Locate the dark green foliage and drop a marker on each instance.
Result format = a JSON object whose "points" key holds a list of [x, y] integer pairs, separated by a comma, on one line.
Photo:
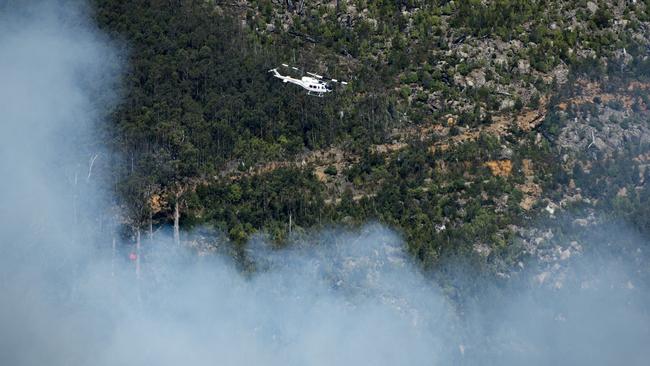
{"points": [[602, 17], [201, 114], [197, 95], [331, 170], [262, 202]]}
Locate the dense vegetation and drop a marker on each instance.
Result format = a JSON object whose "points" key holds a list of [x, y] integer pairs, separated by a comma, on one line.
{"points": [[201, 115]]}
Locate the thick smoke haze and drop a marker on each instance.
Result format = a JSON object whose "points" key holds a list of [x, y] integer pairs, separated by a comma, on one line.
{"points": [[336, 298]]}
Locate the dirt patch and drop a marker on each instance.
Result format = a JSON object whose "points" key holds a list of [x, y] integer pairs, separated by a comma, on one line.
{"points": [[527, 167], [593, 90], [500, 168], [529, 120], [532, 192], [319, 172], [388, 148]]}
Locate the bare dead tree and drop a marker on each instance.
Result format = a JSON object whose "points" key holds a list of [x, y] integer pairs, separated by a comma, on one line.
{"points": [[178, 193], [593, 139], [113, 256], [137, 192], [137, 252], [90, 166]]}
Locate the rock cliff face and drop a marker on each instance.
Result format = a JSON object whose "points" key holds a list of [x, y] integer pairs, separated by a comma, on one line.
{"points": [[536, 81]]}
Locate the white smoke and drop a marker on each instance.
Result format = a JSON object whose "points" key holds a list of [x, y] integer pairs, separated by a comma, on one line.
{"points": [[338, 298]]}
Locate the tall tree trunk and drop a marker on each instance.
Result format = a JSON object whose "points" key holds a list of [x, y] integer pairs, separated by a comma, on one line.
{"points": [[137, 254], [177, 217], [113, 254], [151, 225]]}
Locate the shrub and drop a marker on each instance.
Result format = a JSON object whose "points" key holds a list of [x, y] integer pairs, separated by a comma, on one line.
{"points": [[330, 170], [615, 104]]}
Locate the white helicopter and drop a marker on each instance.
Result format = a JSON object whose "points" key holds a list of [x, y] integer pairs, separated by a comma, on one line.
{"points": [[315, 84]]}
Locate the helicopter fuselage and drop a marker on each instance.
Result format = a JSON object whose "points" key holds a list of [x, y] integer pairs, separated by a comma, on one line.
{"points": [[312, 85]]}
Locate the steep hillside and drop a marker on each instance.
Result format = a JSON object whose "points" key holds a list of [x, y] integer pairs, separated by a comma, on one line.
{"points": [[471, 126]]}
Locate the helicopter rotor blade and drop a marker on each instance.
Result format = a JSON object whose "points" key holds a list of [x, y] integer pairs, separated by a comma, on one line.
{"points": [[336, 81], [327, 80], [293, 68]]}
